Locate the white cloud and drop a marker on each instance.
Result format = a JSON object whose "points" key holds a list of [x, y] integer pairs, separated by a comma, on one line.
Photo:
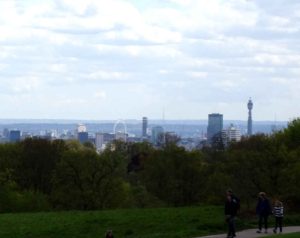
{"points": [[100, 75], [185, 54], [100, 95]]}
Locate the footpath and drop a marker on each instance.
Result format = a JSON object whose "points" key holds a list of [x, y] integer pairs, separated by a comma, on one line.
{"points": [[251, 233]]}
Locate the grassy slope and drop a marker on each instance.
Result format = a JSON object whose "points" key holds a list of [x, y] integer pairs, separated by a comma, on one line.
{"points": [[293, 235], [144, 223], [183, 222]]}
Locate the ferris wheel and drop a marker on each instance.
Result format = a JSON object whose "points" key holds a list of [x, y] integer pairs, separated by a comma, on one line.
{"points": [[120, 130]]}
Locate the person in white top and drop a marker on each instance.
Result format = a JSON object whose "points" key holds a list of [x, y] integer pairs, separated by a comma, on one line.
{"points": [[278, 213]]}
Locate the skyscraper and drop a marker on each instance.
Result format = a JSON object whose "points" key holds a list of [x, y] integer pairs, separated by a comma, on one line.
{"points": [[250, 106], [99, 141], [157, 137], [145, 126], [83, 137], [215, 127], [14, 136]]}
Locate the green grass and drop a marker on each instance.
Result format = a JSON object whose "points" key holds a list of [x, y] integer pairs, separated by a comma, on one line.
{"points": [[292, 235], [144, 223], [184, 222]]}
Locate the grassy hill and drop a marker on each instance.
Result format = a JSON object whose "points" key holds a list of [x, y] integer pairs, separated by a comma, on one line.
{"points": [[184, 222], [293, 235], [144, 223]]}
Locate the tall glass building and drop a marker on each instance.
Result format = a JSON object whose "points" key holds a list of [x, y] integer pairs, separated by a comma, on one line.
{"points": [[14, 135], [215, 126], [157, 137], [83, 137]]}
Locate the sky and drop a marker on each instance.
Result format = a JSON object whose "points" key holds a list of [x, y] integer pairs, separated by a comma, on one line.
{"points": [[125, 59]]}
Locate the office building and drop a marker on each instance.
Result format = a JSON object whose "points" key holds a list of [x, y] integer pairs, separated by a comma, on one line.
{"points": [[215, 127], [144, 127], [231, 134], [5, 133], [83, 137], [157, 136], [14, 136], [99, 141]]}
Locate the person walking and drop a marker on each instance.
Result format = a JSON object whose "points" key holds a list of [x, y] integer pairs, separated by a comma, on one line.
{"points": [[263, 210], [232, 205], [278, 213]]}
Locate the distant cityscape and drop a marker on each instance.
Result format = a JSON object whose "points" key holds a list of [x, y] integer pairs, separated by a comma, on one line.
{"points": [[190, 134]]}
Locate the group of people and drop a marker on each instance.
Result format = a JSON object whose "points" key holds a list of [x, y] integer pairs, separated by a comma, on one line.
{"points": [[263, 211]]}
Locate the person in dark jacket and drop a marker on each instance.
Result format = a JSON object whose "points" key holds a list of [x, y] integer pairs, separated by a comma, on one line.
{"points": [[263, 210], [109, 234], [232, 206]]}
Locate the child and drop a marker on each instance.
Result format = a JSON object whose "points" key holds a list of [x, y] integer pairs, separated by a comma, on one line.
{"points": [[278, 213]]}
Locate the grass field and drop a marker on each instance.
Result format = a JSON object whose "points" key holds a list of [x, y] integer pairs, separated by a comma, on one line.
{"points": [[144, 223], [185, 222], [293, 235]]}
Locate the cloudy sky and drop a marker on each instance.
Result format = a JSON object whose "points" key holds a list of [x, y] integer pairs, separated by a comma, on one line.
{"points": [[112, 59]]}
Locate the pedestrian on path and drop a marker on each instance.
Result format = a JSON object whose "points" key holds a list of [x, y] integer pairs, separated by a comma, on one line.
{"points": [[278, 213], [232, 205], [263, 210]]}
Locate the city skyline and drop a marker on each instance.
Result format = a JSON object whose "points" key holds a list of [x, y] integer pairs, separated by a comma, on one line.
{"points": [[172, 59]]}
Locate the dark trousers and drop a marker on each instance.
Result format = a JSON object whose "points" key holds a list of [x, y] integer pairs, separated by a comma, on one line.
{"points": [[231, 226], [263, 219], [278, 223]]}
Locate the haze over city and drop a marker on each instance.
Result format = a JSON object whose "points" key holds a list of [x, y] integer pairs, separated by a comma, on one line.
{"points": [[113, 59]]}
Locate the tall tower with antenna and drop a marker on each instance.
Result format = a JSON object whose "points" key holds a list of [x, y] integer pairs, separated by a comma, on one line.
{"points": [[250, 106]]}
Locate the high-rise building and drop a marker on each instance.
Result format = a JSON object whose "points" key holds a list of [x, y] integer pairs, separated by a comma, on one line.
{"points": [[14, 135], [231, 134], [5, 133], [250, 106], [99, 141], [83, 137], [215, 127], [81, 133], [157, 136], [144, 127]]}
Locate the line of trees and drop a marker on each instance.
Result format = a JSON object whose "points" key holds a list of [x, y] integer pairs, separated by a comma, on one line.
{"points": [[37, 174]]}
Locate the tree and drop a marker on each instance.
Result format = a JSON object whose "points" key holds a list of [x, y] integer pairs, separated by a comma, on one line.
{"points": [[36, 164], [290, 136], [174, 176], [85, 180]]}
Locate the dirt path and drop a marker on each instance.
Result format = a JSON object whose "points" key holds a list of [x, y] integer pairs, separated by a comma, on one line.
{"points": [[251, 233]]}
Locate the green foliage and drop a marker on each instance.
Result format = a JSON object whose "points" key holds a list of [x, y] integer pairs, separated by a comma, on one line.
{"points": [[12, 200], [291, 135], [68, 175], [85, 180], [174, 176], [37, 161]]}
